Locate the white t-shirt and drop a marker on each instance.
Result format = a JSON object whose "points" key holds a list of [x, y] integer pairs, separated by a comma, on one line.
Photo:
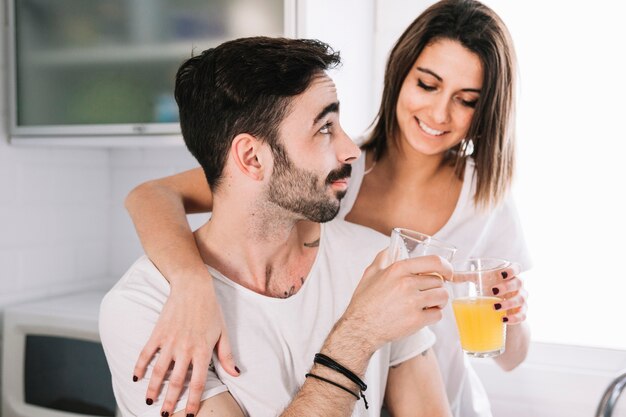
{"points": [[493, 233], [274, 340]]}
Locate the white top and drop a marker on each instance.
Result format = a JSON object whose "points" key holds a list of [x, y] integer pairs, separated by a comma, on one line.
{"points": [[493, 233], [273, 339]]}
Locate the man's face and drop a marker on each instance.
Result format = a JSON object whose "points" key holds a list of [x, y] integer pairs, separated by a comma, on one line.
{"points": [[313, 155]]}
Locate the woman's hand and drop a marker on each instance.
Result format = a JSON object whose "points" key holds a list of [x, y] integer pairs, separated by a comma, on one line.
{"points": [[508, 286], [190, 326]]}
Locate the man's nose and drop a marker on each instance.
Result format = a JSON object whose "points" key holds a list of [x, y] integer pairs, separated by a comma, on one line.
{"points": [[347, 151]]}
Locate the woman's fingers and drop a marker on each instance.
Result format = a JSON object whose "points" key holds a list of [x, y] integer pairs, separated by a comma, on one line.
{"points": [[146, 355], [176, 383], [159, 370], [196, 385], [515, 307], [225, 354], [507, 287]]}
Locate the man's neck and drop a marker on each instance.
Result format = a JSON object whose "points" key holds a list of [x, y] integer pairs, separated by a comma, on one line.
{"points": [[260, 248]]}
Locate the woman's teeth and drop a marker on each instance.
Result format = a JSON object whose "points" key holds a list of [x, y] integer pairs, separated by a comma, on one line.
{"points": [[429, 130]]}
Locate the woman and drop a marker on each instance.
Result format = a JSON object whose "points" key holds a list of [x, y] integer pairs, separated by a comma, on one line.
{"points": [[439, 160]]}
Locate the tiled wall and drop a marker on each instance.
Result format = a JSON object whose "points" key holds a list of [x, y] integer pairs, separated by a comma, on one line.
{"points": [[128, 169], [54, 220]]}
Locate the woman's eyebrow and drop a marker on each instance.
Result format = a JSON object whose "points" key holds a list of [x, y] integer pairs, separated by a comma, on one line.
{"points": [[438, 77]]}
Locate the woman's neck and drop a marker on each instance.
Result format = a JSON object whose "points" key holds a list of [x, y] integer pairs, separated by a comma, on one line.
{"points": [[407, 166]]}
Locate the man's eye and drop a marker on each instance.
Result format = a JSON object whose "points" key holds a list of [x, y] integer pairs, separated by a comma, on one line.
{"points": [[326, 129], [424, 86]]}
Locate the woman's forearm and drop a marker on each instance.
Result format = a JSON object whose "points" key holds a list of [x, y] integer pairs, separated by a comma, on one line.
{"points": [[158, 211], [517, 344]]}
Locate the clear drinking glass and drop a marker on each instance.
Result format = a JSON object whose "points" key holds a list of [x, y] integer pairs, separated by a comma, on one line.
{"points": [[481, 329], [406, 243]]}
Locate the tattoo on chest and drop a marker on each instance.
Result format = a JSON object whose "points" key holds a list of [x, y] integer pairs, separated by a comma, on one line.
{"points": [[313, 244], [292, 290]]}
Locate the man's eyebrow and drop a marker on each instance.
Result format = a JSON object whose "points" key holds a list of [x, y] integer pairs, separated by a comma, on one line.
{"points": [[331, 108], [438, 77]]}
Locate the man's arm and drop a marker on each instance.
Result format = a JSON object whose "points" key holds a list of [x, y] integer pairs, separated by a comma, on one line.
{"points": [[388, 304], [415, 388]]}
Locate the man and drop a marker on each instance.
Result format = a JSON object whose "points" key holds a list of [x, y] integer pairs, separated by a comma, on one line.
{"points": [[262, 118]]}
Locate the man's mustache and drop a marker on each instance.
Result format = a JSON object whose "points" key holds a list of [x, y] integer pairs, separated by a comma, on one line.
{"points": [[339, 174]]}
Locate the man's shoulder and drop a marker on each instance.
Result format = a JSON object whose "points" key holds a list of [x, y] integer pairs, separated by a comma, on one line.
{"points": [[143, 277]]}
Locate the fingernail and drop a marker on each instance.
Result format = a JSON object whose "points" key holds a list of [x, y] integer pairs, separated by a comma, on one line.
{"points": [[149, 401], [189, 415], [495, 291], [505, 319], [237, 369], [135, 379], [504, 274], [497, 306], [165, 414]]}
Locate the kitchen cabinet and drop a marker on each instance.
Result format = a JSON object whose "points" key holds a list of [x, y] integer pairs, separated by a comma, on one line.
{"points": [[101, 72]]}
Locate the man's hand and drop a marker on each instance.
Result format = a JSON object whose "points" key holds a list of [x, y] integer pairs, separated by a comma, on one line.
{"points": [[398, 300]]}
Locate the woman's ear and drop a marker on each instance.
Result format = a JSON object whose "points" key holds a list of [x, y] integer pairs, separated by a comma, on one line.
{"points": [[250, 156]]}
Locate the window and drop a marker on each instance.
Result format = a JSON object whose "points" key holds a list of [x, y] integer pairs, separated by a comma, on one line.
{"points": [[571, 177]]}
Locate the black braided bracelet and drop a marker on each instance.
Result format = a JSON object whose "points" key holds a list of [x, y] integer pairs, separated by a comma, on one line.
{"points": [[334, 383], [328, 362]]}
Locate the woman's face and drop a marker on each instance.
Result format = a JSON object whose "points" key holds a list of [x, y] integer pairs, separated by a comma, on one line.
{"points": [[438, 97]]}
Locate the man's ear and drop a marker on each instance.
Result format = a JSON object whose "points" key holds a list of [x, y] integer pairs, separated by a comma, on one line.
{"points": [[250, 155]]}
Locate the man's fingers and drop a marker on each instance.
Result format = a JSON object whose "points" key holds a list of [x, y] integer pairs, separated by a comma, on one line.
{"points": [[430, 265], [433, 298]]}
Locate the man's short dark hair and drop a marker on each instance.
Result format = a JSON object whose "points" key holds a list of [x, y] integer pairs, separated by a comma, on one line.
{"points": [[243, 86]]}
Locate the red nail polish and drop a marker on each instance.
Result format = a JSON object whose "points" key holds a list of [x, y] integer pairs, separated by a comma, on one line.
{"points": [[237, 369], [189, 415], [495, 291], [149, 401], [505, 319], [135, 379], [505, 274], [497, 306], [165, 414]]}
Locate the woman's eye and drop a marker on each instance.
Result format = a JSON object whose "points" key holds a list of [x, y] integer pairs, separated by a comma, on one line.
{"points": [[470, 103], [424, 86], [326, 129]]}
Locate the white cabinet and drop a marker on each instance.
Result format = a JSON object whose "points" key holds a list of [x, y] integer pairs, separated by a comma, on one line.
{"points": [[102, 71]]}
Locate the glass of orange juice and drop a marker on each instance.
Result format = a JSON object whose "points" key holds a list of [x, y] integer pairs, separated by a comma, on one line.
{"points": [[481, 329]]}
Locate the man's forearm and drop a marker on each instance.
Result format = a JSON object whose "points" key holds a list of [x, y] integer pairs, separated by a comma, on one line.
{"points": [[319, 398]]}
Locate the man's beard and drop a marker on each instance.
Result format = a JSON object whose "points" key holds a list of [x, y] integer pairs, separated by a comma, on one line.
{"points": [[299, 191]]}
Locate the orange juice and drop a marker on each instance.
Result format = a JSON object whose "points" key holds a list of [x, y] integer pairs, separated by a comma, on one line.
{"points": [[480, 325]]}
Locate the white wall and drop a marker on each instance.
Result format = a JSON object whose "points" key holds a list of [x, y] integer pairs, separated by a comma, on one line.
{"points": [[128, 169], [54, 214], [554, 381]]}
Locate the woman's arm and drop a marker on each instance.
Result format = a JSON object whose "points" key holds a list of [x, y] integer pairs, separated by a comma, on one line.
{"points": [[191, 323], [511, 289]]}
